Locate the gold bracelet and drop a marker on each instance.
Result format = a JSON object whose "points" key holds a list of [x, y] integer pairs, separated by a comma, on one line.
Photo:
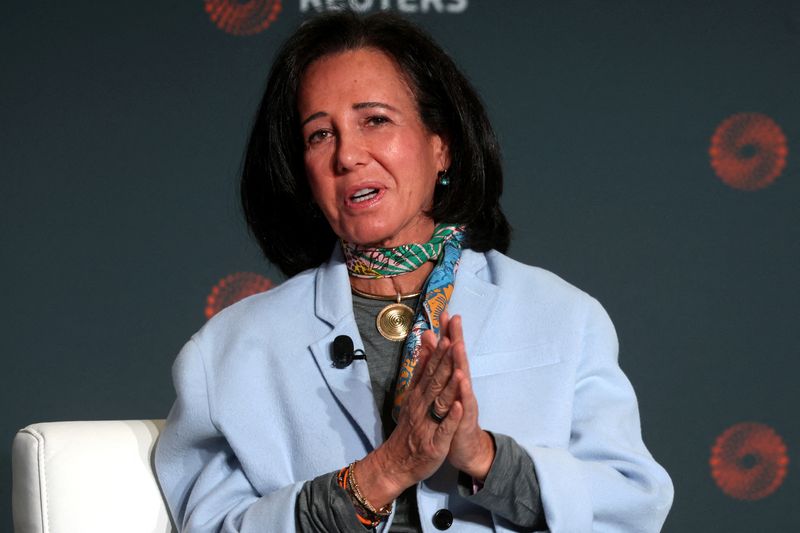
{"points": [[363, 516], [381, 513]]}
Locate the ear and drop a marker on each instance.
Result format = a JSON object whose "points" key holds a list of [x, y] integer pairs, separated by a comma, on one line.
{"points": [[441, 151]]}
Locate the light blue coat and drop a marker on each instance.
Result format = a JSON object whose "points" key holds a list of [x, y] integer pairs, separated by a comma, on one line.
{"points": [[260, 409]]}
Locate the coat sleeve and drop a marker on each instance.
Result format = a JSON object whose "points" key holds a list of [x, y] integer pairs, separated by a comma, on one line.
{"points": [[204, 484], [606, 480]]}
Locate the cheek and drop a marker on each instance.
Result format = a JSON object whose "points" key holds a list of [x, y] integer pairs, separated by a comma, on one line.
{"points": [[323, 191], [389, 151]]}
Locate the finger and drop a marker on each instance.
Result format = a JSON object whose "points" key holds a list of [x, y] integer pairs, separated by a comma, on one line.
{"points": [[447, 397], [454, 330], [468, 401], [445, 431], [429, 379], [437, 350], [460, 360], [429, 340], [419, 367], [437, 379], [444, 320]]}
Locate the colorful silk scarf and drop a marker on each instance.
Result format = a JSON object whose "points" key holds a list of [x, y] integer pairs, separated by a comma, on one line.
{"points": [[363, 262], [445, 245]]}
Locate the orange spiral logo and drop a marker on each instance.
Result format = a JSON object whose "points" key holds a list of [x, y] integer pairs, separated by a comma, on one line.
{"points": [[749, 461], [748, 151], [243, 17], [233, 288]]}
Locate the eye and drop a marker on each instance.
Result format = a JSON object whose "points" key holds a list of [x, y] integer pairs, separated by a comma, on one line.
{"points": [[377, 120], [318, 136]]}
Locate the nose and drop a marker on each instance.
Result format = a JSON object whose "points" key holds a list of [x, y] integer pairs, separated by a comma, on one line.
{"points": [[351, 151]]}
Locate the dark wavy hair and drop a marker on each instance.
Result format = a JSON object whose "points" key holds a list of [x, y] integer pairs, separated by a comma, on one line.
{"points": [[275, 193]]}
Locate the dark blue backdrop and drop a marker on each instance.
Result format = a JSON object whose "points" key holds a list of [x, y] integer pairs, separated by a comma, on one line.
{"points": [[123, 128]]}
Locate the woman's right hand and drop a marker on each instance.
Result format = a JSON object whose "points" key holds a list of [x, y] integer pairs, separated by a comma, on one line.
{"points": [[418, 445]]}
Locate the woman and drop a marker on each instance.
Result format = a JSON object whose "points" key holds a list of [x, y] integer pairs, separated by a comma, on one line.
{"points": [[373, 178]]}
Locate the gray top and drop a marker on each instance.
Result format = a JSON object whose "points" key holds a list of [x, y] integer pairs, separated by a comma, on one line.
{"points": [[511, 489]]}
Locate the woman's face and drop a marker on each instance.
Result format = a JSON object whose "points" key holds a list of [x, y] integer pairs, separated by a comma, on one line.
{"points": [[371, 163]]}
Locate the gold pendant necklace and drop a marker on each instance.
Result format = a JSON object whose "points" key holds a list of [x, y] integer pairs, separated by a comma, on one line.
{"points": [[393, 321]]}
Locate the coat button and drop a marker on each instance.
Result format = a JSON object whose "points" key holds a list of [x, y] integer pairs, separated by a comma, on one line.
{"points": [[442, 519]]}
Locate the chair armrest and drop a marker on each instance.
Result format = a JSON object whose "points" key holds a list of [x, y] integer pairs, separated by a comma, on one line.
{"points": [[87, 477]]}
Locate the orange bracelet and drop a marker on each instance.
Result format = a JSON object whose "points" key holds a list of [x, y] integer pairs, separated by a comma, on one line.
{"points": [[365, 512], [381, 513]]}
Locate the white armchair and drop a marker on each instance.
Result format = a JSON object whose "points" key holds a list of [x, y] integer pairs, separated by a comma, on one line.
{"points": [[87, 477]]}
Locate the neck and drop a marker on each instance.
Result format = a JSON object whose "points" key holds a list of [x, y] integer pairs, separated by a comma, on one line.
{"points": [[404, 284]]}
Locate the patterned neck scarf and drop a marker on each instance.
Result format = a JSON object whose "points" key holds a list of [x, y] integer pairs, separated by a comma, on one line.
{"points": [[364, 262], [445, 245]]}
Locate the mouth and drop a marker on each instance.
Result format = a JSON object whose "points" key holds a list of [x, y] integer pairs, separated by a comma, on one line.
{"points": [[363, 195]]}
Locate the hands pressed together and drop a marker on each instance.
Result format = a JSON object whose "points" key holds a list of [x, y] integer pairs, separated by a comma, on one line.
{"points": [[441, 389]]}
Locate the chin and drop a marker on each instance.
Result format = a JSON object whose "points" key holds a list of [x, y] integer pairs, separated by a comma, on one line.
{"points": [[384, 235], [363, 232], [373, 237], [374, 240]]}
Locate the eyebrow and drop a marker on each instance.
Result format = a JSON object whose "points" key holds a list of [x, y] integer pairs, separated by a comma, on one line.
{"points": [[369, 105], [360, 105]]}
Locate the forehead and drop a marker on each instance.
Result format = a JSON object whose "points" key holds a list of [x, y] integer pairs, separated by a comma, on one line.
{"points": [[364, 74]]}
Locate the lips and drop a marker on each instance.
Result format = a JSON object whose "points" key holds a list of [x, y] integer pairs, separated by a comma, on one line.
{"points": [[364, 195]]}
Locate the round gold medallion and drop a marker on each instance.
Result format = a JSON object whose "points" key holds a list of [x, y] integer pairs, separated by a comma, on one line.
{"points": [[394, 321]]}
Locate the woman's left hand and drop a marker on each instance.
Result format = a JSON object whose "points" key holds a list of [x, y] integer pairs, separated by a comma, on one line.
{"points": [[472, 449]]}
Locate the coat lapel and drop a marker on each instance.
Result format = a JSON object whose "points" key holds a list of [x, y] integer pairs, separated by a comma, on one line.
{"points": [[474, 298], [350, 385]]}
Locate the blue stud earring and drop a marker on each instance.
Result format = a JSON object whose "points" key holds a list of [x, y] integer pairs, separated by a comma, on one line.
{"points": [[444, 179]]}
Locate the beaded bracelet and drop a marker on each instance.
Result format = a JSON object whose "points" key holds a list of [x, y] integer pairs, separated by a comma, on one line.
{"points": [[362, 514], [383, 512], [365, 512]]}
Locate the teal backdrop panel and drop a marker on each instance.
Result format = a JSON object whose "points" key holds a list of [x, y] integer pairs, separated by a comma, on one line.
{"points": [[651, 157]]}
